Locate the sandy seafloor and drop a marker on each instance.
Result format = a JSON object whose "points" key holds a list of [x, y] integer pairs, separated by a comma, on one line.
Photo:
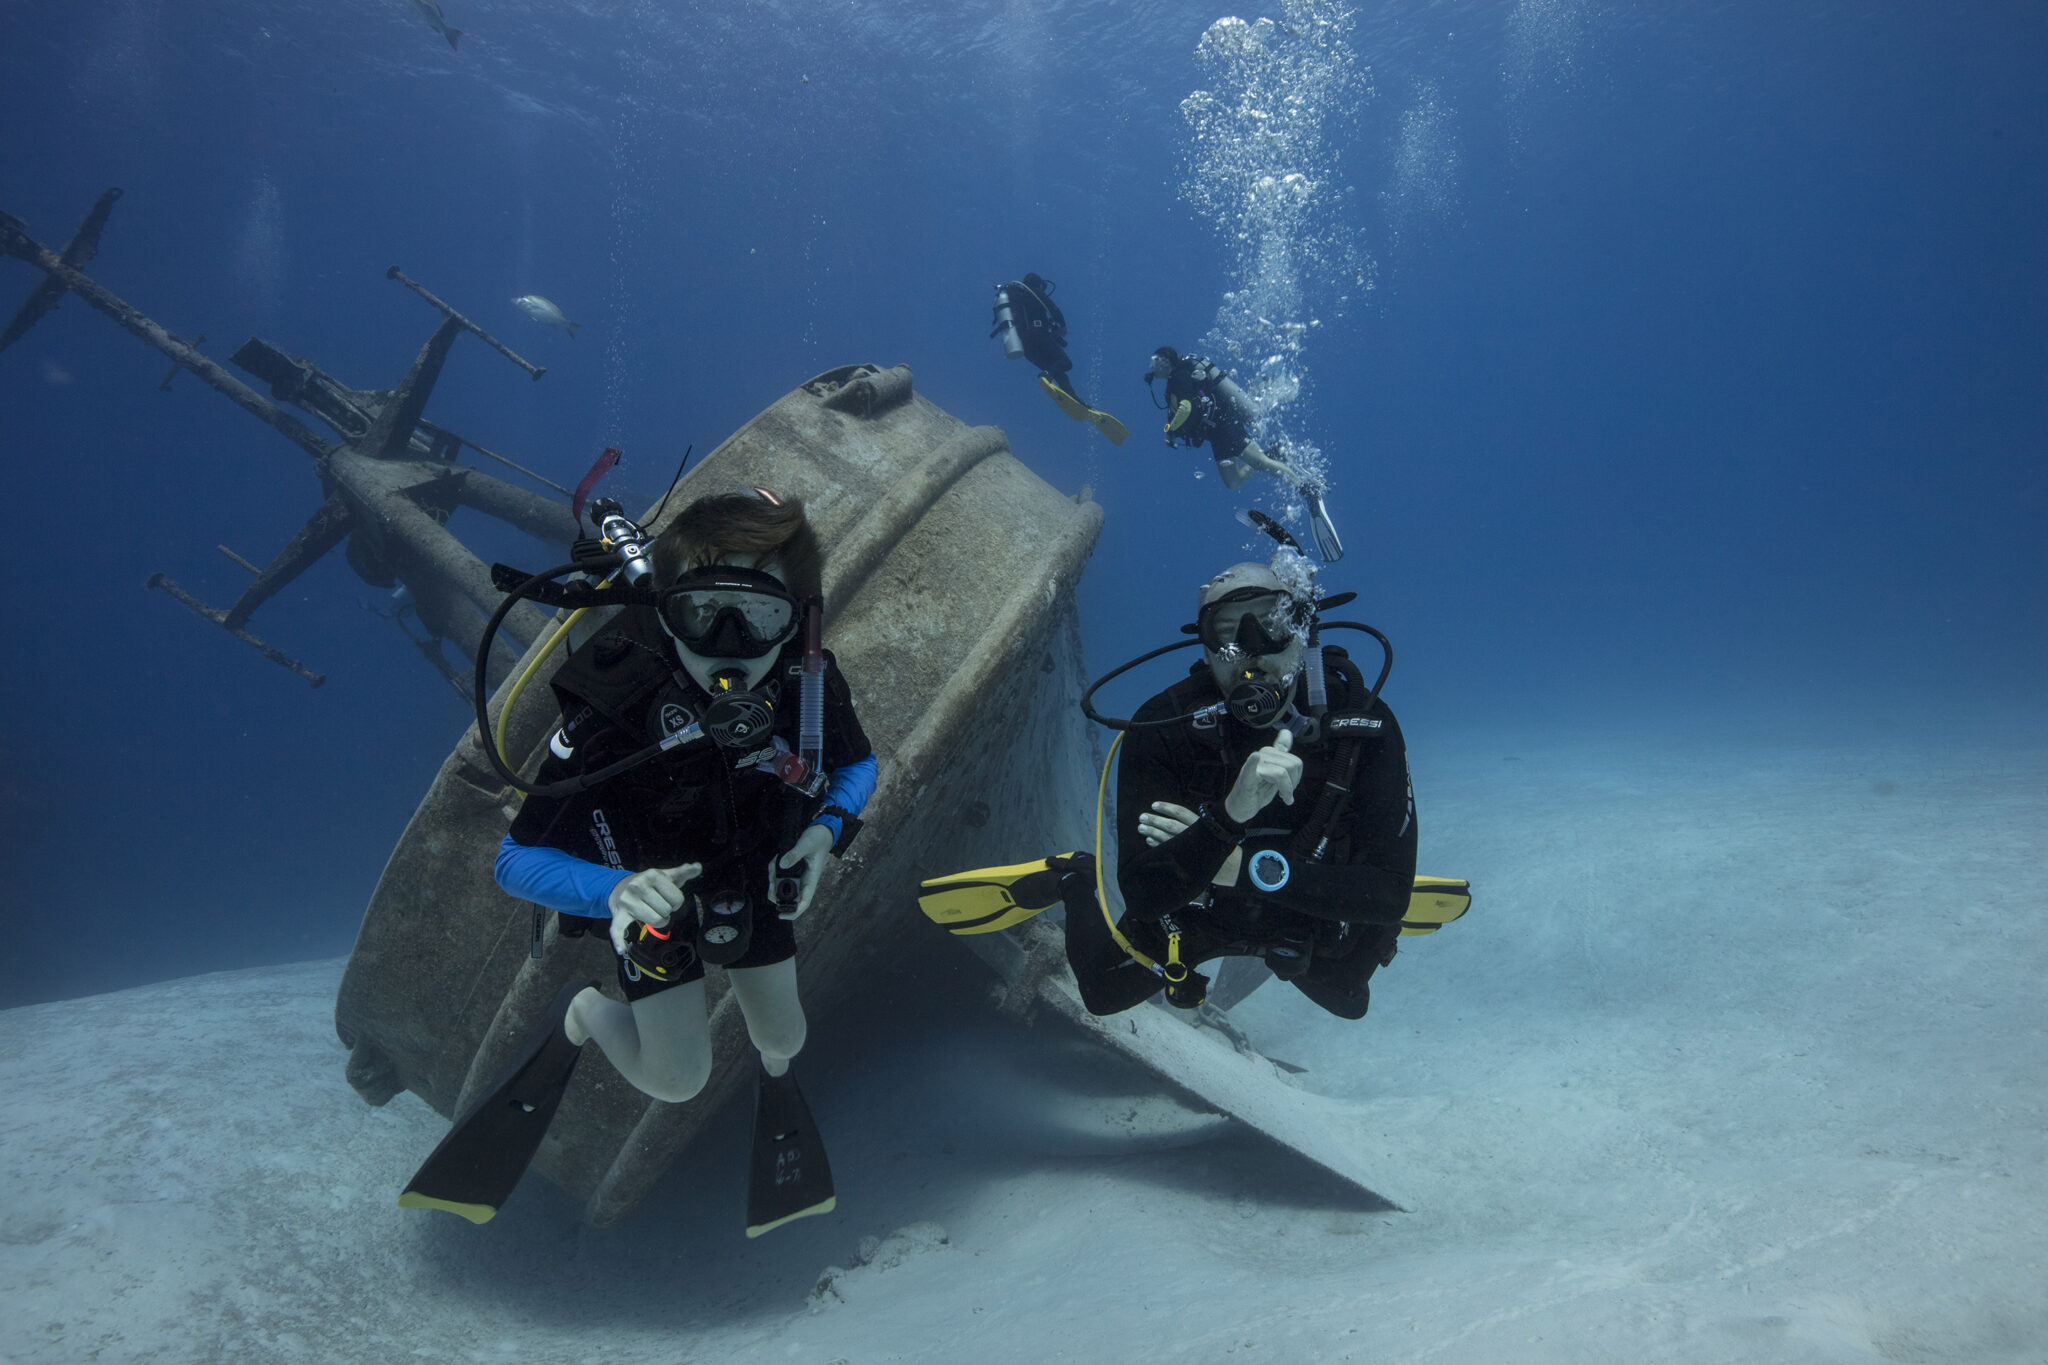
{"points": [[1739, 1057]]}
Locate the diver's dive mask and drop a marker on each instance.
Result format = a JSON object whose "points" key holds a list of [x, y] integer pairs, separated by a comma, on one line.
{"points": [[1252, 638], [723, 612], [729, 625], [1251, 620]]}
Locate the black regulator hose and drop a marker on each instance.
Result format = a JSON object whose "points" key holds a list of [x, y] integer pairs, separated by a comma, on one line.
{"points": [[481, 693], [1386, 646], [1113, 723]]}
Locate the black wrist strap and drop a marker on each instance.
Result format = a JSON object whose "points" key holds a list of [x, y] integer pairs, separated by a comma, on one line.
{"points": [[1221, 824], [849, 825]]}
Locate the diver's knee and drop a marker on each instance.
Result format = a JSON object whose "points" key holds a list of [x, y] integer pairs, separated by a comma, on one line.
{"points": [[677, 1079], [782, 1035]]}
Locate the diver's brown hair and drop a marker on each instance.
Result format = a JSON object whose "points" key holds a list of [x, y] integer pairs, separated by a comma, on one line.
{"points": [[717, 527]]}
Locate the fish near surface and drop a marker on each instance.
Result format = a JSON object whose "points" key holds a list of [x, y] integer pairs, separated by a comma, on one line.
{"points": [[542, 310]]}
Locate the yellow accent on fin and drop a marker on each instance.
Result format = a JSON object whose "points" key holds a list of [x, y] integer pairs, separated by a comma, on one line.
{"points": [[1081, 412], [1435, 902], [991, 898], [475, 1213], [1064, 401], [831, 1202]]}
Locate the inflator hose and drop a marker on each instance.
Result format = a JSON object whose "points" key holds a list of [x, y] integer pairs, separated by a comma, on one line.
{"points": [[481, 693]]}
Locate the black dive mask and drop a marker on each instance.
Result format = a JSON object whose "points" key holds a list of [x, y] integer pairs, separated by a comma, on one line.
{"points": [[723, 612], [1249, 621]]}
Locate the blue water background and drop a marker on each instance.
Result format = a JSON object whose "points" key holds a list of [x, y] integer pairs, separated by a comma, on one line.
{"points": [[1699, 392]]}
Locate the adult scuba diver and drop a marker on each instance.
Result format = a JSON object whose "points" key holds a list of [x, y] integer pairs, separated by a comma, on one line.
{"points": [[1033, 328], [1204, 404], [707, 760], [1263, 809]]}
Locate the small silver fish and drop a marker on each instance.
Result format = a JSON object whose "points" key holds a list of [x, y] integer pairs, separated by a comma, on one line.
{"points": [[541, 310], [430, 10]]}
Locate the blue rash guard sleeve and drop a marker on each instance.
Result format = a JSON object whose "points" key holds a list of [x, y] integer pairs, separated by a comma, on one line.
{"points": [[850, 789], [560, 881]]}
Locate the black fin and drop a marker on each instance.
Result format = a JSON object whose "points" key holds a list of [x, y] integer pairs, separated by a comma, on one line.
{"points": [[788, 1177], [477, 1165]]}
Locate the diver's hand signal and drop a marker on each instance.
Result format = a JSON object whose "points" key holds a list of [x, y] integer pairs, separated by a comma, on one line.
{"points": [[1164, 821], [1269, 772], [648, 898]]}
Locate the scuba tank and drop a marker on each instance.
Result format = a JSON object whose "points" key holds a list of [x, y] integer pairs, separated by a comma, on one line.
{"points": [[1006, 325]]}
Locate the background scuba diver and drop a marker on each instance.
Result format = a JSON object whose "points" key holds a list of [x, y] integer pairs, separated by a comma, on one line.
{"points": [[1226, 779], [1203, 403], [694, 855], [1033, 328]]}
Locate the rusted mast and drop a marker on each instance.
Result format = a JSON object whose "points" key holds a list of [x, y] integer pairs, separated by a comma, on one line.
{"points": [[390, 482]]}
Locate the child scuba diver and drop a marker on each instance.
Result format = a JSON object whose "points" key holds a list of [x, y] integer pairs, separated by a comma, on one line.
{"points": [[686, 803]]}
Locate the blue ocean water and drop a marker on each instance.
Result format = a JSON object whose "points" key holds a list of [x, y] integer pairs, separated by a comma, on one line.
{"points": [[1677, 370]]}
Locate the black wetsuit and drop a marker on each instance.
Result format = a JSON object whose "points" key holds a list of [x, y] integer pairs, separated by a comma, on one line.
{"points": [[623, 690], [1214, 414], [1365, 875], [1042, 329]]}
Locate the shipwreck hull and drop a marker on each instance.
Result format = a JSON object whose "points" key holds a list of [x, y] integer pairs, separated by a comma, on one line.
{"points": [[950, 573]]}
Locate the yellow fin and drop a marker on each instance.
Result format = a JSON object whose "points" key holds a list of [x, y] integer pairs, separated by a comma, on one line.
{"points": [[992, 898], [1435, 902], [1081, 412]]}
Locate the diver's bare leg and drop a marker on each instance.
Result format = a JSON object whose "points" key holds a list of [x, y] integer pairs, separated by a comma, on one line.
{"points": [[1236, 474], [774, 1015], [661, 1043], [1252, 456]]}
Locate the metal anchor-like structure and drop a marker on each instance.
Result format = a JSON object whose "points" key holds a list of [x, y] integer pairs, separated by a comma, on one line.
{"points": [[389, 477]]}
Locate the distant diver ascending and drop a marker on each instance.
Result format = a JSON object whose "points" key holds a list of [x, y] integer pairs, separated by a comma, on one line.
{"points": [[1033, 328], [430, 10], [1203, 403], [1263, 809], [707, 760]]}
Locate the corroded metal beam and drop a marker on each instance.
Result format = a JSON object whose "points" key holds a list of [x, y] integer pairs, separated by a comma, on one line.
{"points": [[394, 273], [321, 533], [219, 618], [15, 242], [83, 246]]}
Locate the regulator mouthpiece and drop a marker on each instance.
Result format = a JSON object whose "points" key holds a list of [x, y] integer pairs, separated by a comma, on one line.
{"points": [[736, 718], [1256, 700]]}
